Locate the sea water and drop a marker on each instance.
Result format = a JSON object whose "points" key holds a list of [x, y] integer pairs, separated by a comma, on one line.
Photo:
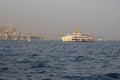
{"points": [[57, 60]]}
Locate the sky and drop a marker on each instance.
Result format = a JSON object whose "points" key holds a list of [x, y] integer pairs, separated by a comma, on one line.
{"points": [[100, 18]]}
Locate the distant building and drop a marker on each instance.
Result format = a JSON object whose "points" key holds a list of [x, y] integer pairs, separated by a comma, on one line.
{"points": [[9, 33]]}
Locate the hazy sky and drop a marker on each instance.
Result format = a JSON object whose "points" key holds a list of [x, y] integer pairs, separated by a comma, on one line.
{"points": [[97, 17]]}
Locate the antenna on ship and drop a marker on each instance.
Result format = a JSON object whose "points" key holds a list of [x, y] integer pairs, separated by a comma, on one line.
{"points": [[63, 34]]}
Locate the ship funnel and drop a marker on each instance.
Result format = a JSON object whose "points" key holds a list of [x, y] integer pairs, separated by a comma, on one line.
{"points": [[78, 31]]}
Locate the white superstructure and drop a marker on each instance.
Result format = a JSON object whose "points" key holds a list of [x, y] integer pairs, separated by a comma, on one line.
{"points": [[77, 37]]}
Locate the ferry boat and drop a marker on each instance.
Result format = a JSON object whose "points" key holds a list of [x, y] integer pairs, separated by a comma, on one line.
{"points": [[77, 37]]}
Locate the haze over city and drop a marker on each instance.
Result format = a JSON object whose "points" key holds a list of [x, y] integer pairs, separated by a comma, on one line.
{"points": [[98, 17]]}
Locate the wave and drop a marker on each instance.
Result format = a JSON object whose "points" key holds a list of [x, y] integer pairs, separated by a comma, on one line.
{"points": [[109, 76]]}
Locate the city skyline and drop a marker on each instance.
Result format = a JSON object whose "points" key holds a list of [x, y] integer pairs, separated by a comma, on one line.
{"points": [[97, 17]]}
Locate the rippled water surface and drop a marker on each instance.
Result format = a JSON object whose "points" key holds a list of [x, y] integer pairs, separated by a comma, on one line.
{"points": [[56, 60]]}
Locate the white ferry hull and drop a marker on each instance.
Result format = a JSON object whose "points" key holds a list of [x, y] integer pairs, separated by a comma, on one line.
{"points": [[70, 39]]}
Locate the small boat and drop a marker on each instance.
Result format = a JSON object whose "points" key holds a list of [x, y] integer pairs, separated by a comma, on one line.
{"points": [[29, 38]]}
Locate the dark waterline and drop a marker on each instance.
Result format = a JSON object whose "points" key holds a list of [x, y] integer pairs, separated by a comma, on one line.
{"points": [[56, 60]]}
